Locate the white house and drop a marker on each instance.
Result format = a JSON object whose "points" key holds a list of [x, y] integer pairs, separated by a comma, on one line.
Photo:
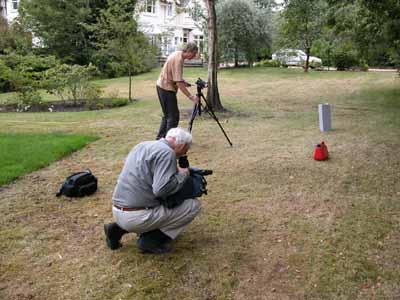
{"points": [[170, 23], [9, 9]]}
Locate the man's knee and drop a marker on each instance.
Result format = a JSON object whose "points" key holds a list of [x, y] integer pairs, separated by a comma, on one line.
{"points": [[195, 206]]}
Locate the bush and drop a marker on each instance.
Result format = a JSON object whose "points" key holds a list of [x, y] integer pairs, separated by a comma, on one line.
{"points": [[363, 66], [71, 82], [268, 63], [118, 102], [92, 94], [23, 72], [344, 61], [27, 98]]}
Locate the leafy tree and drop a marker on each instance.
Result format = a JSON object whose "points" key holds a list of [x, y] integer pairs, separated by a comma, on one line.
{"points": [[243, 29], [302, 24], [119, 39], [13, 38], [61, 26], [70, 82], [236, 25], [23, 74], [374, 27]]}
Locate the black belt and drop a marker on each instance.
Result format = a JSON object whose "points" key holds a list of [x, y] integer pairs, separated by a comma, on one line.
{"points": [[130, 208]]}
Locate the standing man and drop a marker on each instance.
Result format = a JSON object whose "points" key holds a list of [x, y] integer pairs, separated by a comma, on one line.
{"points": [[149, 176], [168, 83]]}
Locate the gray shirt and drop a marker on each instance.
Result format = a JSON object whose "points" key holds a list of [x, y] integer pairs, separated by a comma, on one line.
{"points": [[150, 171]]}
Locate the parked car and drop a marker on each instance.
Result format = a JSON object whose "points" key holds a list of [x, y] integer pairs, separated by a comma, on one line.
{"points": [[295, 57]]}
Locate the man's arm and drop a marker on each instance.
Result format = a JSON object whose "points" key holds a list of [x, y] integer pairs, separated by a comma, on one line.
{"points": [[182, 86], [167, 179]]}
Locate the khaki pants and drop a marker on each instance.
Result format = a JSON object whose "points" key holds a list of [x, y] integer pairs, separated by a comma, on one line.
{"points": [[170, 221]]}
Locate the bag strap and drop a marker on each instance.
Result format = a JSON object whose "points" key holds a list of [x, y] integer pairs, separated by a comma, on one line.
{"points": [[87, 171]]}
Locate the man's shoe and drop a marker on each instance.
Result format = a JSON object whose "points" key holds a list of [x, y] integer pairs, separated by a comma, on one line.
{"points": [[148, 245], [113, 235]]}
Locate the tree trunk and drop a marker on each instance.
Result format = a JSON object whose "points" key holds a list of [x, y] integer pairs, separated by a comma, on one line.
{"points": [[307, 60], [236, 58], [130, 83], [212, 92]]}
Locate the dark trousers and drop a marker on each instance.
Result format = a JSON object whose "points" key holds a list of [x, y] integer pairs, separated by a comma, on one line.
{"points": [[169, 106]]}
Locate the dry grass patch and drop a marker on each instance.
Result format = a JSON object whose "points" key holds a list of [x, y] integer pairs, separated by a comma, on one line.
{"points": [[275, 225]]}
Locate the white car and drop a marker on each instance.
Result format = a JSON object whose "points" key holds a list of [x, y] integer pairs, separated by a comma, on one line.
{"points": [[294, 57]]}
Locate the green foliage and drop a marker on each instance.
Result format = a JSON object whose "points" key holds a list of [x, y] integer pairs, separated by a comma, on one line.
{"points": [[268, 63], [71, 82], [243, 31], [120, 41], [371, 26], [344, 60], [24, 153], [27, 97], [23, 74], [14, 38], [118, 102], [302, 23], [61, 26]]}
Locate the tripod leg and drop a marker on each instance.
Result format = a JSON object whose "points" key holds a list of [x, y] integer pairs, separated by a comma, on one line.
{"points": [[194, 113], [212, 114]]}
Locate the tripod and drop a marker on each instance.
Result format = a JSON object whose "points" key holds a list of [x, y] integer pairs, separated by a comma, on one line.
{"points": [[198, 107]]}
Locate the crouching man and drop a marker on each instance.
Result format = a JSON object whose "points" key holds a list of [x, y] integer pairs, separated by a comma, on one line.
{"points": [[150, 175]]}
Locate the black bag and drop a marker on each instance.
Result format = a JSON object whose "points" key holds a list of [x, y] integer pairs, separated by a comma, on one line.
{"points": [[79, 185]]}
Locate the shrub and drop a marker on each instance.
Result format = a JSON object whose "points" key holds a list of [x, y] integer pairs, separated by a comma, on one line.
{"points": [[269, 63], [27, 98], [344, 60], [23, 72], [92, 94], [71, 82], [118, 102], [363, 66]]}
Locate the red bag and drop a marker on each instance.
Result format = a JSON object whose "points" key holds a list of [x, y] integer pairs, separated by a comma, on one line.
{"points": [[321, 151]]}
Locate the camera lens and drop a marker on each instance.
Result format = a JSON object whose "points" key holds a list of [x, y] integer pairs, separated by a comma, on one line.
{"points": [[183, 162]]}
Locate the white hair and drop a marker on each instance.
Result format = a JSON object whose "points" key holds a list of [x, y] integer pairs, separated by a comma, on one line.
{"points": [[180, 135]]}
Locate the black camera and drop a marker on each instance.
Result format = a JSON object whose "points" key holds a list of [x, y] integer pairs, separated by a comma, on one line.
{"points": [[201, 84]]}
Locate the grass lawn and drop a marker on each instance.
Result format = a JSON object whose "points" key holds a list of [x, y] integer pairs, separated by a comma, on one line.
{"points": [[23, 153], [275, 224]]}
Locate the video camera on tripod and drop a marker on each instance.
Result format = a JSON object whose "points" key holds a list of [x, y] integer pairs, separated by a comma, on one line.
{"points": [[201, 84]]}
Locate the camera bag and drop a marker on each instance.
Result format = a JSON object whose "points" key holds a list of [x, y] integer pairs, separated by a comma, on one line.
{"points": [[79, 185]]}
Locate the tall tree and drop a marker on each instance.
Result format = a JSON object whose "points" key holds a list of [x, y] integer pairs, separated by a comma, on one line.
{"points": [[375, 26], [212, 91], [302, 24], [13, 38], [60, 26], [119, 39], [242, 29]]}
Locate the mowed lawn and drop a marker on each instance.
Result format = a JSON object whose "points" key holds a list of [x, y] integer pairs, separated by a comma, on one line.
{"points": [[24, 153], [275, 224]]}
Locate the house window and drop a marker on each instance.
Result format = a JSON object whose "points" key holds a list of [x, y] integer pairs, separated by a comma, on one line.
{"points": [[15, 4], [199, 40], [169, 9], [176, 40], [185, 37], [151, 6]]}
